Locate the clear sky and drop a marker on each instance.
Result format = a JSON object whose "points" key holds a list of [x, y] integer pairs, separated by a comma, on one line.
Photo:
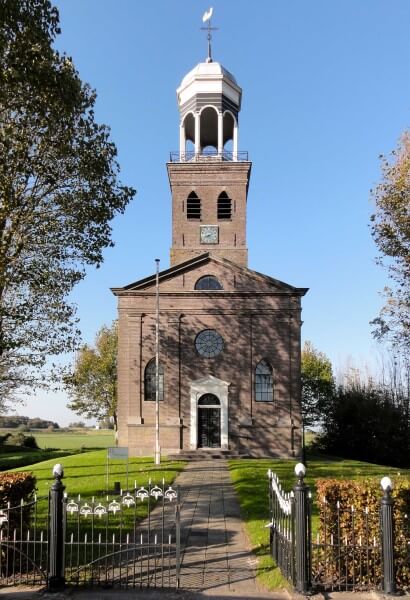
{"points": [[326, 90]]}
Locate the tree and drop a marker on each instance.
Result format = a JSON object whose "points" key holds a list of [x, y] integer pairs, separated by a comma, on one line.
{"points": [[59, 190], [92, 385], [363, 422], [317, 385], [391, 232]]}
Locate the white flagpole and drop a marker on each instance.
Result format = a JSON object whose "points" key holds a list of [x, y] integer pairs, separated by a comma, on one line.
{"points": [[157, 446]]}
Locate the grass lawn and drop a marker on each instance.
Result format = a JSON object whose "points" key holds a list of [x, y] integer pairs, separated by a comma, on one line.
{"points": [[85, 473], [70, 440], [21, 457], [250, 481]]}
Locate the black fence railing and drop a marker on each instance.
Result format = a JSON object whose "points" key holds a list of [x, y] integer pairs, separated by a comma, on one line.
{"points": [[345, 553], [209, 156], [131, 539], [24, 543], [353, 550]]}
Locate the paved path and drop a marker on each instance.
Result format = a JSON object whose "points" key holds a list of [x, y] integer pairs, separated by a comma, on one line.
{"points": [[215, 555]]}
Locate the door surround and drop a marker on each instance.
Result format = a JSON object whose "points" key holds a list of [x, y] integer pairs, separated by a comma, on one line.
{"points": [[209, 385]]}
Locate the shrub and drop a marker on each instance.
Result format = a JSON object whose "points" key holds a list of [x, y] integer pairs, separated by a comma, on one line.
{"points": [[30, 442], [24, 441], [350, 516], [363, 423], [15, 487]]}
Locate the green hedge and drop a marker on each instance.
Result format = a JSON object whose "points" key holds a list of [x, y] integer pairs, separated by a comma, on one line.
{"points": [[355, 521]]}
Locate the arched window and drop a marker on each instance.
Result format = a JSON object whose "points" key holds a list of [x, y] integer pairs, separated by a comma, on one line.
{"points": [[150, 383], [224, 207], [209, 400], [208, 282], [263, 382], [193, 207]]}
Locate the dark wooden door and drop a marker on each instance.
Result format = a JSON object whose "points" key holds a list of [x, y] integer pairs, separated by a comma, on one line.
{"points": [[209, 427]]}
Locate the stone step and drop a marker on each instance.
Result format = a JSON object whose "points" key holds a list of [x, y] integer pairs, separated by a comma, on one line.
{"points": [[206, 454]]}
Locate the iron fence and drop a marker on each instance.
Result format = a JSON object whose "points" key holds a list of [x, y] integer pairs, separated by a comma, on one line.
{"points": [[345, 553], [24, 543], [282, 527], [108, 542], [126, 540], [353, 550], [209, 155]]}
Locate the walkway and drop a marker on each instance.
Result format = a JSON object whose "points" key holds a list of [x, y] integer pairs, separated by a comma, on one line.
{"points": [[215, 555]]}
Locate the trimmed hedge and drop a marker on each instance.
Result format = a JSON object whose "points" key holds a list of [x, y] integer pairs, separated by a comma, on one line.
{"points": [[355, 522], [15, 487]]}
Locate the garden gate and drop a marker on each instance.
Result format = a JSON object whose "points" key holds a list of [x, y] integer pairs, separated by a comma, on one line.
{"points": [[127, 540]]}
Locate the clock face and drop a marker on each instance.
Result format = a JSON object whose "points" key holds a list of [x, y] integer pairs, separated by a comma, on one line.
{"points": [[209, 234]]}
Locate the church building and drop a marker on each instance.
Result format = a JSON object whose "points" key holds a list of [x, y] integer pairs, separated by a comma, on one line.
{"points": [[229, 337]]}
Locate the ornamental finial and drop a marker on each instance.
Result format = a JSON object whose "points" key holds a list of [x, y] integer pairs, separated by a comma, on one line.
{"points": [[206, 18]]}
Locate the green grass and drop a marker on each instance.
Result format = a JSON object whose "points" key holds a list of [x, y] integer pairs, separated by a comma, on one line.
{"points": [[20, 457], [250, 481], [85, 473], [70, 440]]}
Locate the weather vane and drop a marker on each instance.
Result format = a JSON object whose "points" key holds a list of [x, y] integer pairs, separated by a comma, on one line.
{"points": [[206, 18]]}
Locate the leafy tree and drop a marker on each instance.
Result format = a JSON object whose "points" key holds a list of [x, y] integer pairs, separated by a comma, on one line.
{"points": [[59, 190], [317, 384], [92, 385], [362, 422], [391, 232]]}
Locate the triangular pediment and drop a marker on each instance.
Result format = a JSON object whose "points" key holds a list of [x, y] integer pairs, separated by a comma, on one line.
{"points": [[234, 277], [209, 379]]}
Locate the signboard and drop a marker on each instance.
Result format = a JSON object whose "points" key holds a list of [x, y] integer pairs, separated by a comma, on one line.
{"points": [[120, 453]]}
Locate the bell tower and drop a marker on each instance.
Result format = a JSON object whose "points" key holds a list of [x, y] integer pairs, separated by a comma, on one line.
{"points": [[209, 176]]}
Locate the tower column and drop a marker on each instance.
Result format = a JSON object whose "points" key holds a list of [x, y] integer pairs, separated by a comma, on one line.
{"points": [[235, 141], [220, 134], [197, 134], [182, 142]]}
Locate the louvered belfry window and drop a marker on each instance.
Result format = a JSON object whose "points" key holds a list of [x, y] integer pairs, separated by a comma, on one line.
{"points": [[193, 207], [224, 207]]}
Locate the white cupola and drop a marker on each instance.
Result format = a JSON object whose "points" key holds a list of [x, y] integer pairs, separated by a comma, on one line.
{"points": [[209, 100]]}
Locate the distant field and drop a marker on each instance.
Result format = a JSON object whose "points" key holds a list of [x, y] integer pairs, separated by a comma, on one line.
{"points": [[73, 440]]}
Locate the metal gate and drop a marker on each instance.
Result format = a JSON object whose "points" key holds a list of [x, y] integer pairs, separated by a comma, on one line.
{"points": [[132, 540], [24, 543], [127, 540]]}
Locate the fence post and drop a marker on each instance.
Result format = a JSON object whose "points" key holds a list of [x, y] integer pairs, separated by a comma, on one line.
{"points": [[177, 539], [386, 521], [56, 579], [302, 545]]}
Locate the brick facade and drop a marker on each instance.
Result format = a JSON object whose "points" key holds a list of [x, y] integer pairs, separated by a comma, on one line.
{"points": [[258, 318]]}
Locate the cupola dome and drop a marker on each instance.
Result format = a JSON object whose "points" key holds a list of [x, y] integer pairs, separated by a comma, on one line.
{"points": [[209, 101]]}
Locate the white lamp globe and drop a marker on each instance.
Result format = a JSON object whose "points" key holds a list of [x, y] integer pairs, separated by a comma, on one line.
{"points": [[58, 470], [300, 470], [386, 484]]}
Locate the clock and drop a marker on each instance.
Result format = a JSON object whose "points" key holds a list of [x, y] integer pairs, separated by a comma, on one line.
{"points": [[209, 234]]}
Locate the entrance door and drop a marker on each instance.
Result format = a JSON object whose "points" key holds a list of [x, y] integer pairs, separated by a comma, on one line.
{"points": [[209, 422]]}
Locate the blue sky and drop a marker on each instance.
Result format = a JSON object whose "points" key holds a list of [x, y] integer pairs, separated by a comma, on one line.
{"points": [[326, 90]]}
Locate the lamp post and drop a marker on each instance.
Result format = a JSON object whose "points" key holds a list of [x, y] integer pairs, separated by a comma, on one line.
{"points": [[157, 446]]}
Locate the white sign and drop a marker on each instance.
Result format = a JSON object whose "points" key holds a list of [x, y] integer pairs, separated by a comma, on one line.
{"points": [[118, 453]]}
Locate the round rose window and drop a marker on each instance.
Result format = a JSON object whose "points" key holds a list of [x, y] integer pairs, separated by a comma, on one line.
{"points": [[209, 343]]}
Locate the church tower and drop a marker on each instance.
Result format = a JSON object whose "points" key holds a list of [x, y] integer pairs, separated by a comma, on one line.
{"points": [[226, 378], [209, 176]]}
